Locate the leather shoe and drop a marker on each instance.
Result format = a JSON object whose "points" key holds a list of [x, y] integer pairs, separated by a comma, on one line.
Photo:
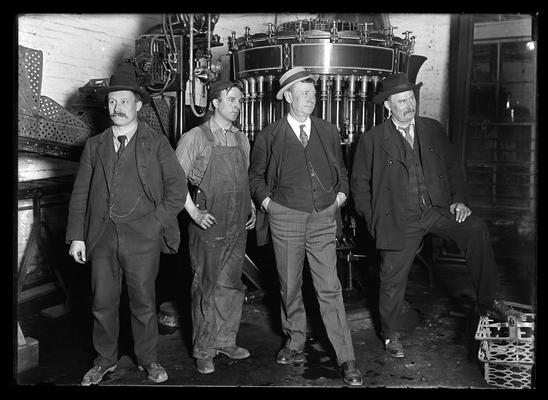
{"points": [[394, 347], [234, 352], [351, 374], [289, 356]]}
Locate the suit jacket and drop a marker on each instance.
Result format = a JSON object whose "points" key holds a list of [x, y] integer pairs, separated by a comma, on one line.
{"points": [[379, 178], [162, 178], [267, 156]]}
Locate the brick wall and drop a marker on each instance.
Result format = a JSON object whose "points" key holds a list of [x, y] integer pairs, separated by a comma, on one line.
{"points": [[80, 47], [432, 41]]}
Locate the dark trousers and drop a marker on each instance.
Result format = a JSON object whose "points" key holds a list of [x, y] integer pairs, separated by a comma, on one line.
{"points": [[122, 251], [471, 236], [296, 234]]}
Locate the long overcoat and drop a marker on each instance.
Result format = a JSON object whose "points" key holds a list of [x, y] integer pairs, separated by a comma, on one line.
{"points": [[380, 177]]}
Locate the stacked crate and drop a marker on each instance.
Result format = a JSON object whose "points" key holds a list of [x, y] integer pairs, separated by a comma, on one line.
{"points": [[507, 350]]}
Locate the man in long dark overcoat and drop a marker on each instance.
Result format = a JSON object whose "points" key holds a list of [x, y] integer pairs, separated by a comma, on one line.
{"points": [[407, 182]]}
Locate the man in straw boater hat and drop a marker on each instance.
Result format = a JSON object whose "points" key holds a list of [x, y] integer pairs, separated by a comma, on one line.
{"points": [[122, 215], [407, 182], [298, 179], [215, 158]]}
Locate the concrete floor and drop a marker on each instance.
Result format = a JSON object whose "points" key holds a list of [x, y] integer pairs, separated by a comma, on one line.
{"points": [[440, 350]]}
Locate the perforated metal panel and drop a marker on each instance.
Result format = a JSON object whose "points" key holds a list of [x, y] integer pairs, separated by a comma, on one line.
{"points": [[507, 350], [30, 80], [509, 376], [51, 110], [52, 131], [148, 115]]}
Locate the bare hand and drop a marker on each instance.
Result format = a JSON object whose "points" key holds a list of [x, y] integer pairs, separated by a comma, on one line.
{"points": [[250, 224], [78, 251], [341, 198], [204, 219], [265, 204], [460, 210]]}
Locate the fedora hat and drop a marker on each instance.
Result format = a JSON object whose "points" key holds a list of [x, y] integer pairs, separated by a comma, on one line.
{"points": [[124, 78], [393, 84], [294, 75]]}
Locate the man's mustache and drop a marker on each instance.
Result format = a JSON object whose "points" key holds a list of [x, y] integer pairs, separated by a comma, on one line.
{"points": [[118, 115]]}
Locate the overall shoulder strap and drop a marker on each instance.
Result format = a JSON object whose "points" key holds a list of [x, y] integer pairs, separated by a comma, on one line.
{"points": [[207, 132], [209, 145]]}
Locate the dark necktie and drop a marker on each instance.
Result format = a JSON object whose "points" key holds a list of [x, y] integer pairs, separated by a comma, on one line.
{"points": [[122, 140], [304, 138], [408, 136]]}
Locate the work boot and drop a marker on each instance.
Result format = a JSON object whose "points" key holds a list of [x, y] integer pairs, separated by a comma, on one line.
{"points": [[394, 347], [205, 365], [234, 352], [95, 374], [156, 373]]}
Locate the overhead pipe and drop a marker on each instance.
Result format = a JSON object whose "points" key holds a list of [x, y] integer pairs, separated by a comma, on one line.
{"points": [[191, 72]]}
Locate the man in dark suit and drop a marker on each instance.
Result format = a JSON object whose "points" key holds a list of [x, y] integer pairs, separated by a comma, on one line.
{"points": [[298, 178], [406, 182], [122, 214]]}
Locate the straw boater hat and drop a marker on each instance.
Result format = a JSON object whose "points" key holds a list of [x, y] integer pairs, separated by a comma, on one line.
{"points": [[393, 84], [125, 78], [294, 75]]}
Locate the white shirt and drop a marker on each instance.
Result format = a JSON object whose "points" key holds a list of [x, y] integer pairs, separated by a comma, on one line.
{"points": [[116, 131], [411, 130], [296, 126]]}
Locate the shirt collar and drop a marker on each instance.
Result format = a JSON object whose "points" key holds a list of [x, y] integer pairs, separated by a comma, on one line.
{"points": [[214, 126], [296, 125], [128, 132], [400, 127]]}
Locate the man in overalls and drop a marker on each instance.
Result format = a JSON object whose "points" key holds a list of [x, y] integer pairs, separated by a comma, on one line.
{"points": [[215, 158]]}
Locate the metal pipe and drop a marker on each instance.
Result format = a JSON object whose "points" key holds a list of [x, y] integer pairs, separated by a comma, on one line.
{"points": [[245, 126], [363, 96], [252, 99], [338, 96], [329, 98], [180, 96], [351, 98], [323, 95], [260, 95], [208, 42], [270, 86], [191, 72], [375, 80]]}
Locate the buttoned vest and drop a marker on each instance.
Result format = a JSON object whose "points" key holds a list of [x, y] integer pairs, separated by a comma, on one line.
{"points": [[417, 192], [128, 200], [306, 182]]}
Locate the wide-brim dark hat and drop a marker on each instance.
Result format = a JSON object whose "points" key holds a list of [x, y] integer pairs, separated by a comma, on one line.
{"points": [[291, 77], [393, 84], [125, 78]]}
